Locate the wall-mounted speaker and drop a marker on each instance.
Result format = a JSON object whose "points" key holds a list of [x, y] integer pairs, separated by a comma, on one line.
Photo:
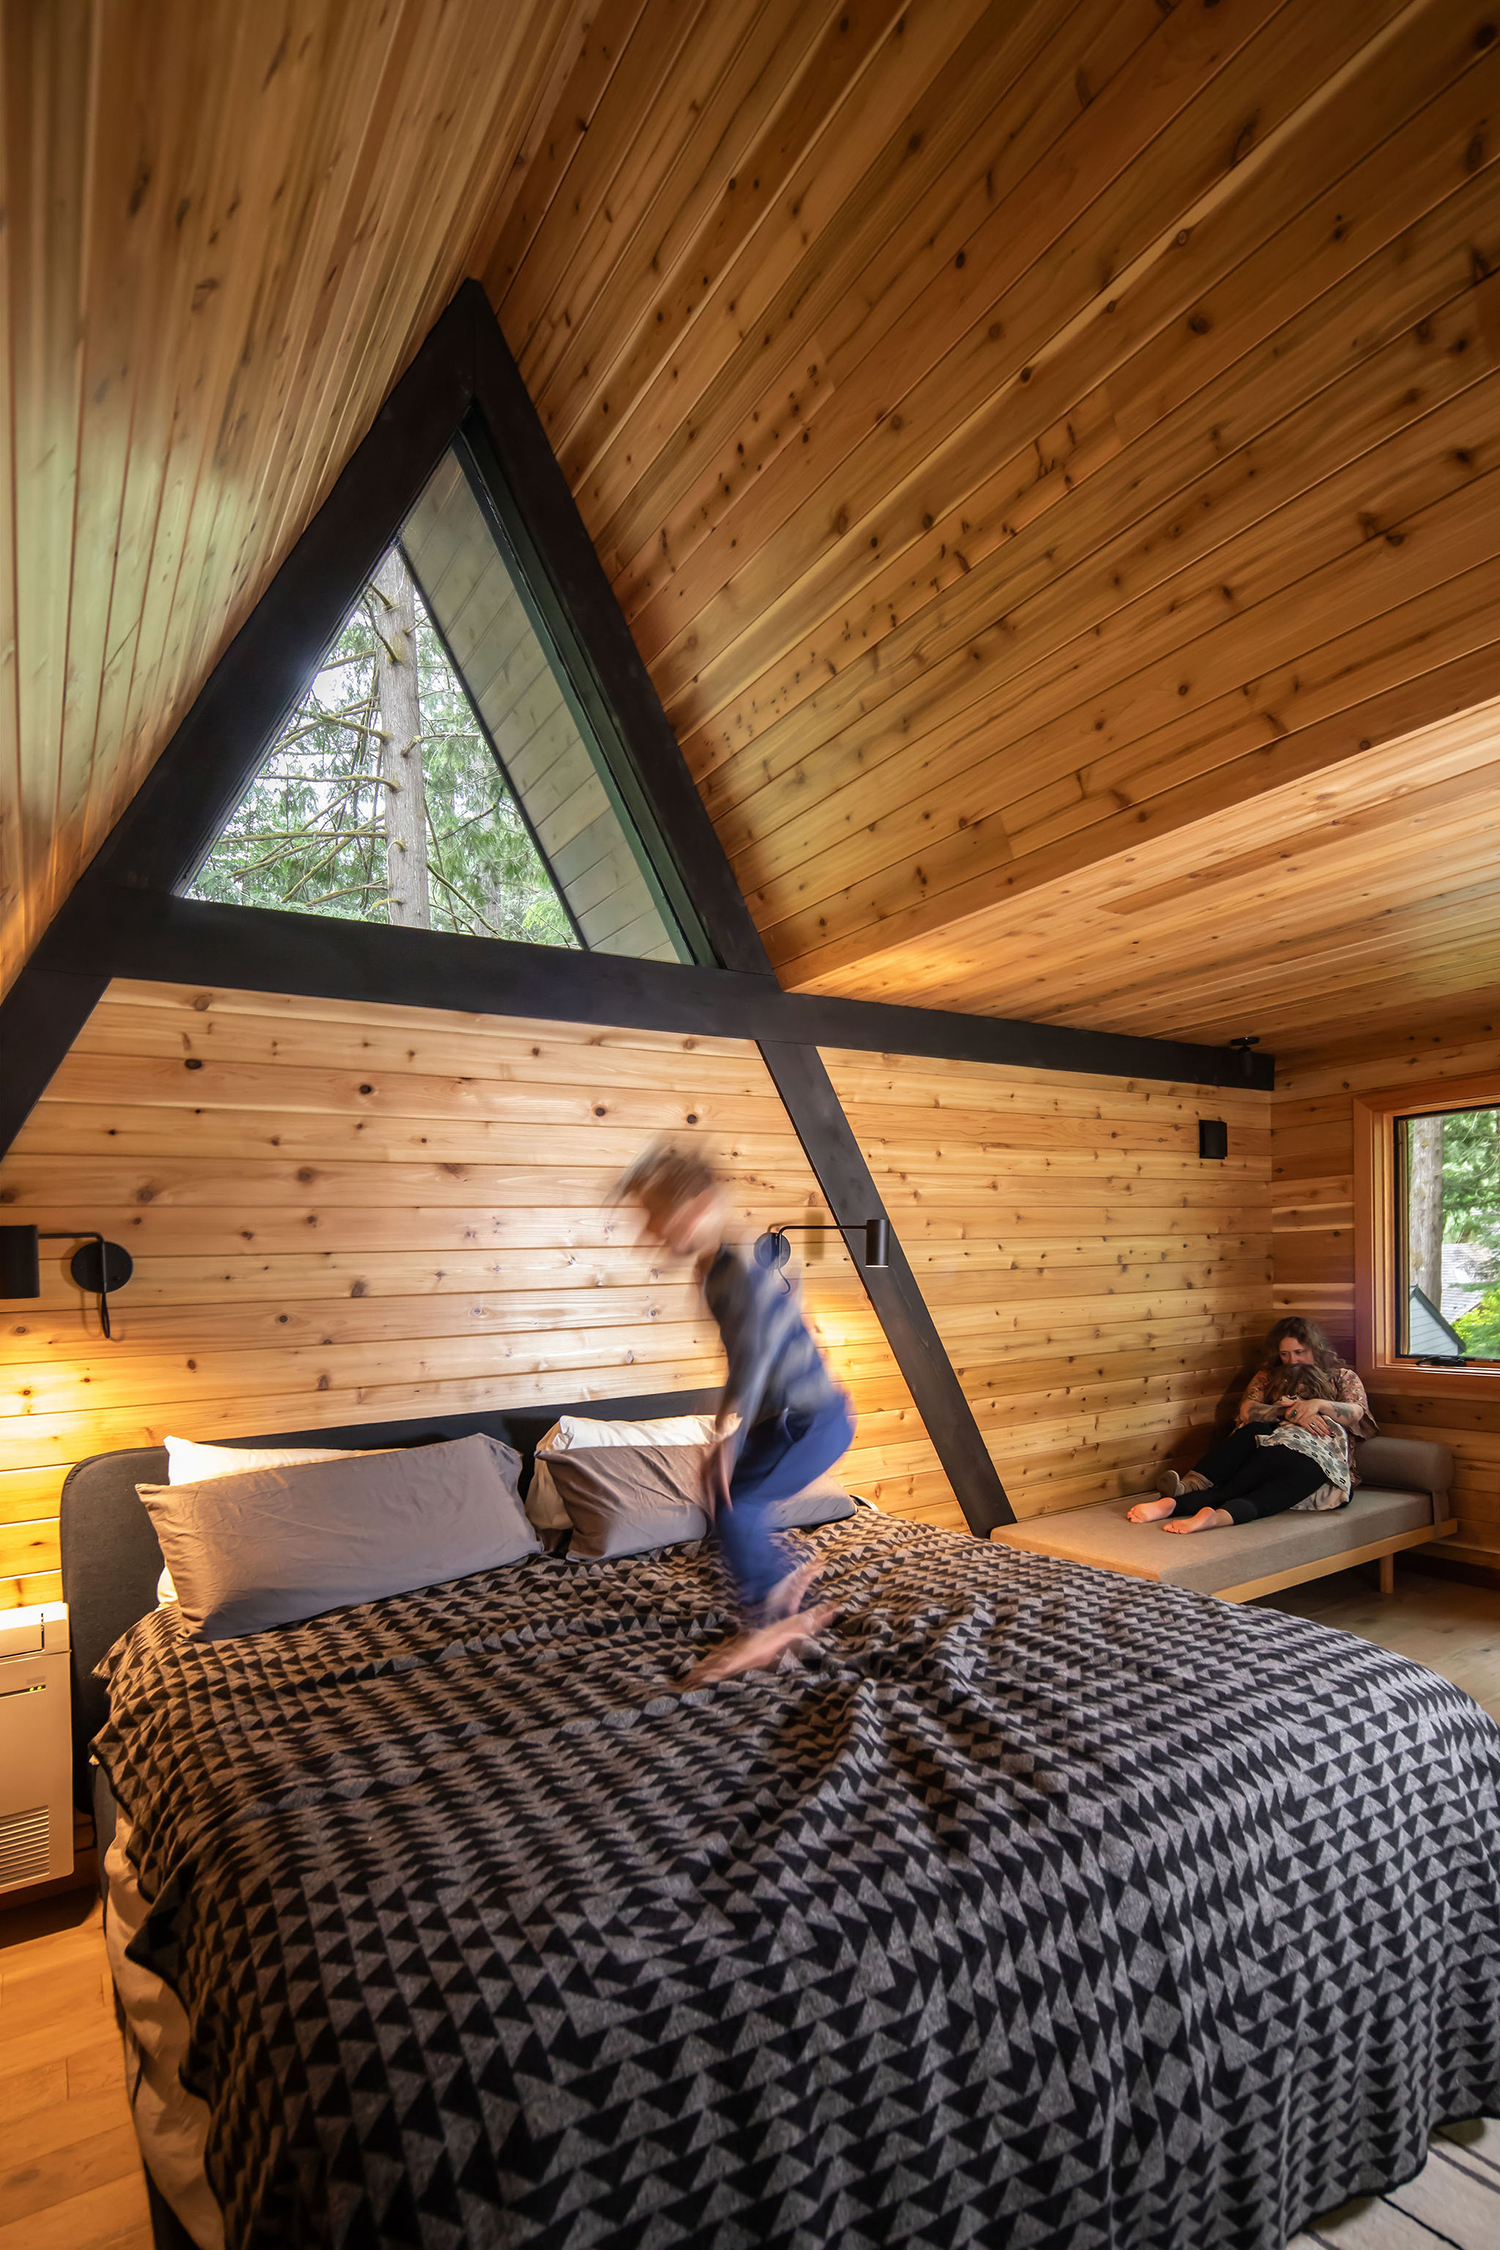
{"points": [[1213, 1137]]}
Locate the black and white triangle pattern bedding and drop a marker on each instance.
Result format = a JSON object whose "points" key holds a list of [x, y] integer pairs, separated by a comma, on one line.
{"points": [[1041, 1907]]}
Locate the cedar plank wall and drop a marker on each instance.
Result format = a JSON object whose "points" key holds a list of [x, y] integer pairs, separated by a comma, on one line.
{"points": [[310, 1253], [354, 1213], [1312, 1144], [1098, 1286]]}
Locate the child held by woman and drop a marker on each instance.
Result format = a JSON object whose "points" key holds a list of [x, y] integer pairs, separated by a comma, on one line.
{"points": [[1267, 1466]]}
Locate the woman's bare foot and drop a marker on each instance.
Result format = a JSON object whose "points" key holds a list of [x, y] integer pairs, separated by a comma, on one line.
{"points": [[1207, 1519], [1151, 1511], [760, 1650]]}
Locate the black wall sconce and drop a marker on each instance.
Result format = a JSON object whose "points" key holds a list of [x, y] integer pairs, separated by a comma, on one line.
{"points": [[1213, 1138], [96, 1265], [773, 1249]]}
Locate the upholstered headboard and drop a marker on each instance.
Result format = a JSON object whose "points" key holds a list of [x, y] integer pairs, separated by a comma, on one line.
{"points": [[111, 1559]]}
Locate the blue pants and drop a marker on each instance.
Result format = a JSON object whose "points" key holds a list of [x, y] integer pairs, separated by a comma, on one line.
{"points": [[780, 1456]]}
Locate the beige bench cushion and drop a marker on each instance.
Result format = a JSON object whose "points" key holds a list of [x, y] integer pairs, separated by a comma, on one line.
{"points": [[1210, 1560]]}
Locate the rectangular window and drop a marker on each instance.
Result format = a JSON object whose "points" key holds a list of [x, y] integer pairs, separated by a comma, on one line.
{"points": [[1447, 1235]]}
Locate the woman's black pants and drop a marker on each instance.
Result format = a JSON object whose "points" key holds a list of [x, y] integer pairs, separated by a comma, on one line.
{"points": [[1249, 1480]]}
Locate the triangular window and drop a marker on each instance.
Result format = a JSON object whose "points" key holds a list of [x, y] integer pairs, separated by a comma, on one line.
{"points": [[440, 770]]}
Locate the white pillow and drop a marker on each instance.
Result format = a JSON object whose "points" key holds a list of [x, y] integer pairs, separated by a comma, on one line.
{"points": [[572, 1432], [188, 1463]]}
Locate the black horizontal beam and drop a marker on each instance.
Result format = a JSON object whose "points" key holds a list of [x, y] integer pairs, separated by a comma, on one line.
{"points": [[118, 932]]}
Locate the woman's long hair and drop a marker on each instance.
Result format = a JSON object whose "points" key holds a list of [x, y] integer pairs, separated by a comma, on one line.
{"points": [[1306, 1332]]}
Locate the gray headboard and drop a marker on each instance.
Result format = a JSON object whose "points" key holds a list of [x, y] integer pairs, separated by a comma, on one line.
{"points": [[111, 1559]]}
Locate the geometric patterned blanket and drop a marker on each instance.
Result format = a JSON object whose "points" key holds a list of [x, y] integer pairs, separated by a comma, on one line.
{"points": [[1040, 1907]]}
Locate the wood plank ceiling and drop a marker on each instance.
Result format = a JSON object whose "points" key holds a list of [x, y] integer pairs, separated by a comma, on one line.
{"points": [[1043, 450], [227, 230]]}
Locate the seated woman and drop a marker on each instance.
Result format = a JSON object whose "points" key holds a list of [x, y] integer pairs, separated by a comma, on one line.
{"points": [[1295, 1342], [1260, 1471], [1295, 1468]]}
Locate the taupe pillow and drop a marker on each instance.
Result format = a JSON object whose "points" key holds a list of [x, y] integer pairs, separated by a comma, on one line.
{"points": [[624, 1500], [273, 1545]]}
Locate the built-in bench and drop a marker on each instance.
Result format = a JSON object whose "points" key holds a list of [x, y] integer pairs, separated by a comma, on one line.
{"points": [[1402, 1502]]}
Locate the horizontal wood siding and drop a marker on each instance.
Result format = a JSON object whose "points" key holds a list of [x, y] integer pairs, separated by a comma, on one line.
{"points": [[1098, 1285], [1313, 1187], [344, 1213]]}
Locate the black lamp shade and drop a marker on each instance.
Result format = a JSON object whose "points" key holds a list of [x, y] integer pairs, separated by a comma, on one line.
{"points": [[20, 1262], [1213, 1137], [96, 1265], [877, 1242]]}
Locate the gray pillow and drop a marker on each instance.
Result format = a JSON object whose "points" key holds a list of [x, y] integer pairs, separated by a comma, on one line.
{"points": [[624, 1500], [269, 1546]]}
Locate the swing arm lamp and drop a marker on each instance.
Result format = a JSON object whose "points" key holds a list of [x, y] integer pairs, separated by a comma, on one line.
{"points": [[773, 1248], [96, 1265]]}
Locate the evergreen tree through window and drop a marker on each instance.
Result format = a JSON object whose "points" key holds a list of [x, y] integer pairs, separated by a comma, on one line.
{"points": [[382, 800]]}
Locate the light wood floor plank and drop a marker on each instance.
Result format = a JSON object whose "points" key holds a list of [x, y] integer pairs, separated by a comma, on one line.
{"points": [[25, 2092], [1478, 2143], [78, 1989], [63, 2174], [92, 2069], [65, 2037], [1452, 2199], [112, 2217], [71, 2124], [1365, 2225]]}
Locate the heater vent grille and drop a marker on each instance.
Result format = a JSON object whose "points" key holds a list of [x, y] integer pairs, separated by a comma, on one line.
{"points": [[24, 1845]]}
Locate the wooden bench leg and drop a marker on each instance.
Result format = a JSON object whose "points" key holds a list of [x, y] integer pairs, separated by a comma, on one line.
{"points": [[1387, 1574]]}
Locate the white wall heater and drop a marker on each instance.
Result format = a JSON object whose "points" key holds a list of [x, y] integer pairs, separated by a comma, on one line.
{"points": [[36, 1749]]}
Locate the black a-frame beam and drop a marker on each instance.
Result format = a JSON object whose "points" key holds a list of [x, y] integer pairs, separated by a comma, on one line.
{"points": [[126, 916]]}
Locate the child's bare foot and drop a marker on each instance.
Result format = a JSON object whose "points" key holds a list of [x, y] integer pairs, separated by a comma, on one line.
{"points": [[1151, 1511], [786, 1599], [760, 1650], [1207, 1519]]}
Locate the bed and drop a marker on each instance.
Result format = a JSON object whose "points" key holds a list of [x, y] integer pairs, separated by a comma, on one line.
{"points": [[1039, 1907]]}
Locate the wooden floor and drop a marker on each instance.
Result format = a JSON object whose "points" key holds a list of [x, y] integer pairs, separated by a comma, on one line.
{"points": [[70, 2172], [70, 2176]]}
